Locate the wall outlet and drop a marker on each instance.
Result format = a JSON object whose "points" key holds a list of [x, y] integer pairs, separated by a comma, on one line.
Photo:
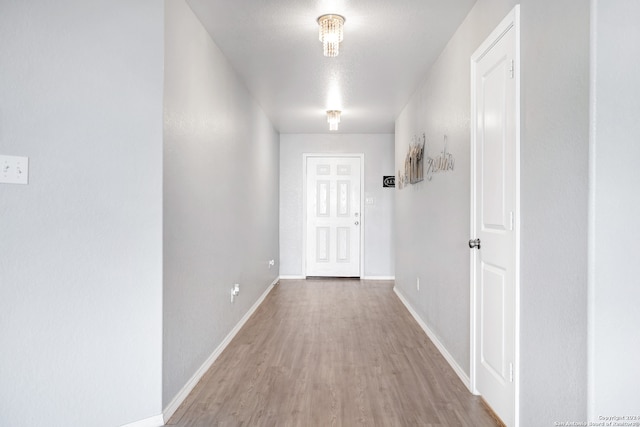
{"points": [[417, 283], [235, 291], [272, 263]]}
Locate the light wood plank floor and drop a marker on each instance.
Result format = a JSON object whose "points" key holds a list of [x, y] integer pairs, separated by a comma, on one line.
{"points": [[331, 353]]}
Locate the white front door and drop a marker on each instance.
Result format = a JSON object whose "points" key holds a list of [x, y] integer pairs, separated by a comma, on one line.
{"points": [[334, 217], [494, 218]]}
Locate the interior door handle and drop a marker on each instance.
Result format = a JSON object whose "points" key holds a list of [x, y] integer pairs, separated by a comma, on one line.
{"points": [[357, 223], [474, 243]]}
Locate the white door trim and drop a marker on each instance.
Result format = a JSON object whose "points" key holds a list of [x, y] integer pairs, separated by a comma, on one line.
{"points": [[305, 156], [512, 20]]}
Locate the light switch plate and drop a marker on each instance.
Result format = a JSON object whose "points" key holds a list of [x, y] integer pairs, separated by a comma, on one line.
{"points": [[14, 170]]}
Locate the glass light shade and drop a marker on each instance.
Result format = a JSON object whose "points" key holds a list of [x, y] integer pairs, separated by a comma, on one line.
{"points": [[333, 117], [330, 33]]}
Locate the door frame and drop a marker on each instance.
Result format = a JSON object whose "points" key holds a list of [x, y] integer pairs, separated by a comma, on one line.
{"points": [[305, 156], [512, 20]]}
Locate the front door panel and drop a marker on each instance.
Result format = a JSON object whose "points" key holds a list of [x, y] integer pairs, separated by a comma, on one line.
{"points": [[333, 216]]}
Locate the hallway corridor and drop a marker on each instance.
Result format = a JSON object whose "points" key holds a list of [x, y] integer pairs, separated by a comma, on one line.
{"points": [[331, 353]]}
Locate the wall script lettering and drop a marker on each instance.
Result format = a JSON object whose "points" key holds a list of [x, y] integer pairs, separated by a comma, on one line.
{"points": [[442, 163], [418, 166]]}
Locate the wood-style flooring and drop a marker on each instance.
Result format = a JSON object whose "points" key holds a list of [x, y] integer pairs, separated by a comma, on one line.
{"points": [[331, 353]]}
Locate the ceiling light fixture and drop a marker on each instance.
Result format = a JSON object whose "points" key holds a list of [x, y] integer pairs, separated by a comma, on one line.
{"points": [[333, 117], [331, 33]]}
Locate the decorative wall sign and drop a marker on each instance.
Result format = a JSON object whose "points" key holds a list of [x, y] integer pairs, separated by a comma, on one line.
{"points": [[388, 181], [414, 163], [401, 180], [416, 159], [442, 163]]}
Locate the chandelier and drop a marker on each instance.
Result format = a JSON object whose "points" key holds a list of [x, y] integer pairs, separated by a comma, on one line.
{"points": [[331, 33], [333, 117]]}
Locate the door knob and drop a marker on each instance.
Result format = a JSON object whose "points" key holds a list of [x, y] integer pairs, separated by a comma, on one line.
{"points": [[475, 243], [357, 223]]}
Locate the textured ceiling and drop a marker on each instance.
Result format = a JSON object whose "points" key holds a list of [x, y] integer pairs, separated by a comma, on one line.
{"points": [[387, 49]]}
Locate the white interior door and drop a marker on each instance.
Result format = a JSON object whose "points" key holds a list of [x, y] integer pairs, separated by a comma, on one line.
{"points": [[494, 232], [334, 217]]}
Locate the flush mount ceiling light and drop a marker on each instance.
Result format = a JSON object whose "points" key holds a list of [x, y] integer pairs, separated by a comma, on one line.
{"points": [[333, 117], [331, 33]]}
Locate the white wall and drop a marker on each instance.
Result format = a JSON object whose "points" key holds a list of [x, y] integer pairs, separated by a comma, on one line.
{"points": [[615, 209], [221, 158], [554, 210], [378, 218], [432, 218], [81, 245]]}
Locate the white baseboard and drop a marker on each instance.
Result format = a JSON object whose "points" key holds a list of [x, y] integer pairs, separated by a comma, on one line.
{"points": [[188, 387], [156, 421], [291, 277], [457, 369]]}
